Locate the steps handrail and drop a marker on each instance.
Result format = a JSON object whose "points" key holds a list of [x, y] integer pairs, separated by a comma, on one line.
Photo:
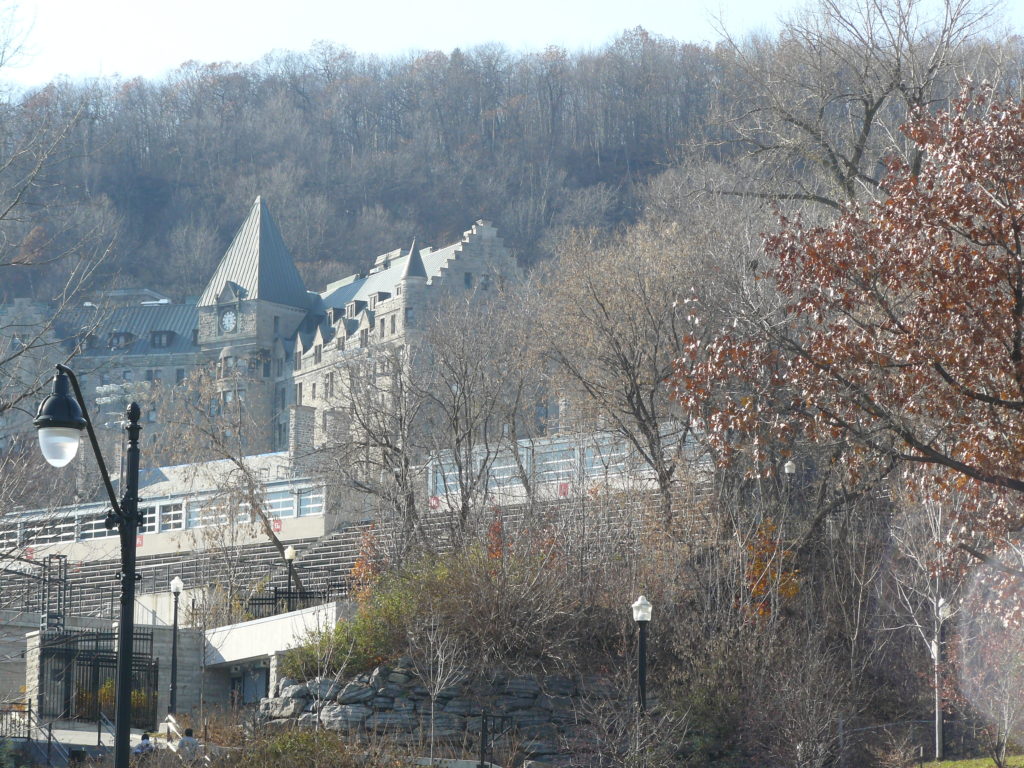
{"points": [[53, 744], [107, 725]]}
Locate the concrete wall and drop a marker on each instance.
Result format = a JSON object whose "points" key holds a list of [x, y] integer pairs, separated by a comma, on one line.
{"points": [[262, 638], [190, 667]]}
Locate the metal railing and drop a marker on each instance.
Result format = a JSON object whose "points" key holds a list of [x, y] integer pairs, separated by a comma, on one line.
{"points": [[15, 719], [279, 601], [19, 721], [104, 725]]}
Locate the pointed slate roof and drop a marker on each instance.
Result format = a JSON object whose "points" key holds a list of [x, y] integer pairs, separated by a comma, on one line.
{"points": [[258, 263], [414, 266]]}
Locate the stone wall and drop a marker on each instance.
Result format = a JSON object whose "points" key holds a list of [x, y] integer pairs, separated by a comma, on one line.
{"points": [[545, 716]]}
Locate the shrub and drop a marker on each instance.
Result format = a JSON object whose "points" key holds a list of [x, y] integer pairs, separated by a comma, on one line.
{"points": [[302, 749], [510, 607]]}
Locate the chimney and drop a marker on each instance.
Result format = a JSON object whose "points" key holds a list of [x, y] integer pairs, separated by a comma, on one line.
{"points": [[301, 423]]}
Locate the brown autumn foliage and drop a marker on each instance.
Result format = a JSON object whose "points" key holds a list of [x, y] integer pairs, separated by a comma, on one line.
{"points": [[901, 325]]}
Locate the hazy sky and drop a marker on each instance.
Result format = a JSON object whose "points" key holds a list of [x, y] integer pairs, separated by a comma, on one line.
{"points": [[99, 38]]}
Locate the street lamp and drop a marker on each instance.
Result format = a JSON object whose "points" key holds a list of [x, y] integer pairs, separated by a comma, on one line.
{"points": [[177, 585], [642, 617], [289, 556], [59, 421], [943, 611]]}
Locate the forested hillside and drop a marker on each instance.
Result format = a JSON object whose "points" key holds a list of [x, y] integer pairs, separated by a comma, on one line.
{"points": [[359, 154]]}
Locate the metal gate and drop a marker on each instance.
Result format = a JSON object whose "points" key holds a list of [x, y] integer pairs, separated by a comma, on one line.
{"points": [[78, 676]]}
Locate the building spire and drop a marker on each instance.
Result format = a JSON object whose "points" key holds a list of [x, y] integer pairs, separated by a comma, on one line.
{"points": [[414, 265], [258, 264]]}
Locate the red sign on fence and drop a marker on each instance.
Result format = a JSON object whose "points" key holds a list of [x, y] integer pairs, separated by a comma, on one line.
{"points": [[276, 525]]}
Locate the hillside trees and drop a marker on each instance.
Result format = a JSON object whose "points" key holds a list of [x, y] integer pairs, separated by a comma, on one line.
{"points": [[355, 148], [817, 110]]}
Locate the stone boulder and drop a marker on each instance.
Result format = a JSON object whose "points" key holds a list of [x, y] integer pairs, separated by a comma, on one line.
{"points": [[323, 688], [285, 682], [382, 722], [344, 716], [522, 687], [281, 707], [379, 678], [558, 685], [355, 693], [457, 706], [295, 692]]}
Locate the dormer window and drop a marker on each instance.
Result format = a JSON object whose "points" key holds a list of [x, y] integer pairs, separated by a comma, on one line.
{"points": [[318, 354], [161, 339], [119, 339]]}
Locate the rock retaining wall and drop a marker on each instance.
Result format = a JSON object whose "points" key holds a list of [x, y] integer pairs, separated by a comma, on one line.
{"points": [[545, 717]]}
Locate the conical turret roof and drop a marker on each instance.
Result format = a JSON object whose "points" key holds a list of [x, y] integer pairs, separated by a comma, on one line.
{"points": [[414, 266], [258, 263]]}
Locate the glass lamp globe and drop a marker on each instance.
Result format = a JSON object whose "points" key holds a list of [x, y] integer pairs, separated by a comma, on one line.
{"points": [[59, 445], [641, 609], [59, 422]]}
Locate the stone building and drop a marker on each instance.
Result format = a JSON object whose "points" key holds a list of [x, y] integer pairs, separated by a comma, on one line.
{"points": [[269, 342]]}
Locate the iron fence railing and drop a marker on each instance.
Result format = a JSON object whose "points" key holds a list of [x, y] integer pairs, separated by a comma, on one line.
{"points": [[278, 601], [15, 720], [78, 672]]}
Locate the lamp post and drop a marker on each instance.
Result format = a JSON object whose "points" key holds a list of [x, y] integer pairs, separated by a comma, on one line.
{"points": [[942, 612], [289, 556], [177, 585], [60, 421], [642, 617]]}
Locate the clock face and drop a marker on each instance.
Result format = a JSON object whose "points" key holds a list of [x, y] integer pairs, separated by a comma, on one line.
{"points": [[228, 321]]}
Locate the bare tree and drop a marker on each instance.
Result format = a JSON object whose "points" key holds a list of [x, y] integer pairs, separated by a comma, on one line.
{"points": [[373, 446], [614, 319], [817, 109], [439, 657], [476, 392]]}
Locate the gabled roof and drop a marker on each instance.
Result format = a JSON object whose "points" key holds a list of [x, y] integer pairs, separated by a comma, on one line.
{"points": [[258, 264], [428, 263]]}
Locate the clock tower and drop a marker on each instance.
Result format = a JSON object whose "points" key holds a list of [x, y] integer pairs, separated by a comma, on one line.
{"points": [[255, 298]]}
